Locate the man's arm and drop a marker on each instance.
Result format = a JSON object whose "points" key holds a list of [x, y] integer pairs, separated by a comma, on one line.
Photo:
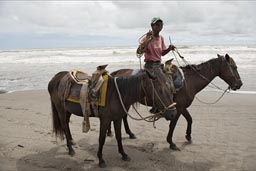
{"points": [[171, 47]]}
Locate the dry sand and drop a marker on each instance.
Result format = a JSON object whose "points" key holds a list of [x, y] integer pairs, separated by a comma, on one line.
{"points": [[223, 138]]}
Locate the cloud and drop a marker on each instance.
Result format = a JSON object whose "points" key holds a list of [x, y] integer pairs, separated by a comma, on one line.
{"points": [[185, 21]]}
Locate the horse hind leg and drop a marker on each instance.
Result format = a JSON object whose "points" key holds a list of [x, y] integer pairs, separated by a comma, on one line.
{"points": [[127, 128], [109, 132], [63, 117], [117, 125], [69, 132]]}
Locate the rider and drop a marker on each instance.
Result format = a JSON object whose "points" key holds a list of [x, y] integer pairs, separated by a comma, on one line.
{"points": [[153, 46]]}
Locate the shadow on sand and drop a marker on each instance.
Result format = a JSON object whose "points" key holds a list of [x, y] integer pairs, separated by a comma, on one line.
{"points": [[143, 157]]}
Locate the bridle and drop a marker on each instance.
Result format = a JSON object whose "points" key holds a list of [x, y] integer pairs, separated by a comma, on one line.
{"points": [[231, 70], [203, 77]]}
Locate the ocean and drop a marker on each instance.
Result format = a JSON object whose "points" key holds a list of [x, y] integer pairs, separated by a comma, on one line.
{"points": [[32, 69]]}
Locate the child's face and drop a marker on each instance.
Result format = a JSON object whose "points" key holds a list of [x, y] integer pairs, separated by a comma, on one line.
{"points": [[158, 26]]}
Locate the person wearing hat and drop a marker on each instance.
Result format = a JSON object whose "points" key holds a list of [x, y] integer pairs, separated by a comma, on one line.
{"points": [[152, 45]]}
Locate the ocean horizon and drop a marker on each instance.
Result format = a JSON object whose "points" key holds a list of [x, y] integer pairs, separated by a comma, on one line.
{"points": [[32, 69]]}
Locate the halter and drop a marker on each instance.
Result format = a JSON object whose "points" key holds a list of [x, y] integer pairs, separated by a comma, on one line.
{"points": [[151, 118], [203, 77], [231, 70]]}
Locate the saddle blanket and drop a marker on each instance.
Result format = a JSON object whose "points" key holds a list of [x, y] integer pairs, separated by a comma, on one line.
{"points": [[103, 93]]}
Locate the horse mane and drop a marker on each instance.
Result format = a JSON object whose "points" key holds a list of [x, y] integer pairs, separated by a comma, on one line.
{"points": [[198, 67]]}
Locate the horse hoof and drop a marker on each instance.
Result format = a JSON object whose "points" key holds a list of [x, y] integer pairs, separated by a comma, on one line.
{"points": [[109, 134], [71, 152], [132, 136], [188, 137], [174, 147], [102, 164], [126, 158]]}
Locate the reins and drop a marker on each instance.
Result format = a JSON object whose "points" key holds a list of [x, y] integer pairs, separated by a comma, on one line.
{"points": [[151, 118], [203, 77], [214, 102]]}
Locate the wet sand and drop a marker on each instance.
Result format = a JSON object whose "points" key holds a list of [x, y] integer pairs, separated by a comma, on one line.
{"points": [[223, 138]]}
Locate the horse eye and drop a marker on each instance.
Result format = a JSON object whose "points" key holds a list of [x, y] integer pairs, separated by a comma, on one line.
{"points": [[234, 66]]}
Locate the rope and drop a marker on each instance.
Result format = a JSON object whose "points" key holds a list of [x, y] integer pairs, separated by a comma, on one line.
{"points": [[151, 118], [214, 102], [147, 37], [187, 63], [214, 85]]}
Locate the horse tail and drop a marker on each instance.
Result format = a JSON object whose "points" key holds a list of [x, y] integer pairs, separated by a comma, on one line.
{"points": [[56, 103], [56, 122]]}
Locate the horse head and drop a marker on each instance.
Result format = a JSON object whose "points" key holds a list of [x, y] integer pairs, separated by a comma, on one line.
{"points": [[229, 72], [158, 94]]}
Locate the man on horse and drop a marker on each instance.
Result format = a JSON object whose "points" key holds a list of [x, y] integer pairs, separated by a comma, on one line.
{"points": [[153, 47]]}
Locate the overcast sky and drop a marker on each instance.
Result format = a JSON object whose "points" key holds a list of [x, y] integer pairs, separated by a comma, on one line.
{"points": [[71, 24]]}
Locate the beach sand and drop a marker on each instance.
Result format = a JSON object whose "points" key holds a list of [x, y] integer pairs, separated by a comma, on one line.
{"points": [[223, 138]]}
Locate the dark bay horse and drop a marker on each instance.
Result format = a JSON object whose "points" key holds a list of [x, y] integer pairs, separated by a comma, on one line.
{"points": [[197, 77], [132, 89]]}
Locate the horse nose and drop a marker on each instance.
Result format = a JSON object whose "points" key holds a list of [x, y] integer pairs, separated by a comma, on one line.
{"points": [[170, 114], [239, 85]]}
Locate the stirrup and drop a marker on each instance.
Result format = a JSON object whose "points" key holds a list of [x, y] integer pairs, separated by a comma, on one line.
{"points": [[93, 96]]}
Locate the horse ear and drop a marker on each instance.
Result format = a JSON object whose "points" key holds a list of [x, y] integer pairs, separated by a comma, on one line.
{"points": [[227, 57], [218, 55]]}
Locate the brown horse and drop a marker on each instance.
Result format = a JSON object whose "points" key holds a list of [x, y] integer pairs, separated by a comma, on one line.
{"points": [[149, 85], [197, 77]]}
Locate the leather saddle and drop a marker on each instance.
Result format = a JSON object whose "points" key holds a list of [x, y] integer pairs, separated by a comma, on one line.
{"points": [[79, 77]]}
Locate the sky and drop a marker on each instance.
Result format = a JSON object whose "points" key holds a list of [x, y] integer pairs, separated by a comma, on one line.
{"points": [[81, 24]]}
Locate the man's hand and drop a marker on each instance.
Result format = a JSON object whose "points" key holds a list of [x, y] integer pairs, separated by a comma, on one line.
{"points": [[171, 47]]}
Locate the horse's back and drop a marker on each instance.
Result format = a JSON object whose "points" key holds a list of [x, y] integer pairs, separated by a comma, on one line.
{"points": [[122, 73], [55, 80]]}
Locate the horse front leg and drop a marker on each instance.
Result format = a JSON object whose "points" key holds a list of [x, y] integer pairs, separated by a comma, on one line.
{"points": [[117, 125], [170, 133], [104, 124], [127, 128], [188, 117]]}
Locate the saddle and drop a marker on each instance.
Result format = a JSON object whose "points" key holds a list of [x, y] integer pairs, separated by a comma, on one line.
{"points": [[79, 77], [82, 88], [174, 74]]}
